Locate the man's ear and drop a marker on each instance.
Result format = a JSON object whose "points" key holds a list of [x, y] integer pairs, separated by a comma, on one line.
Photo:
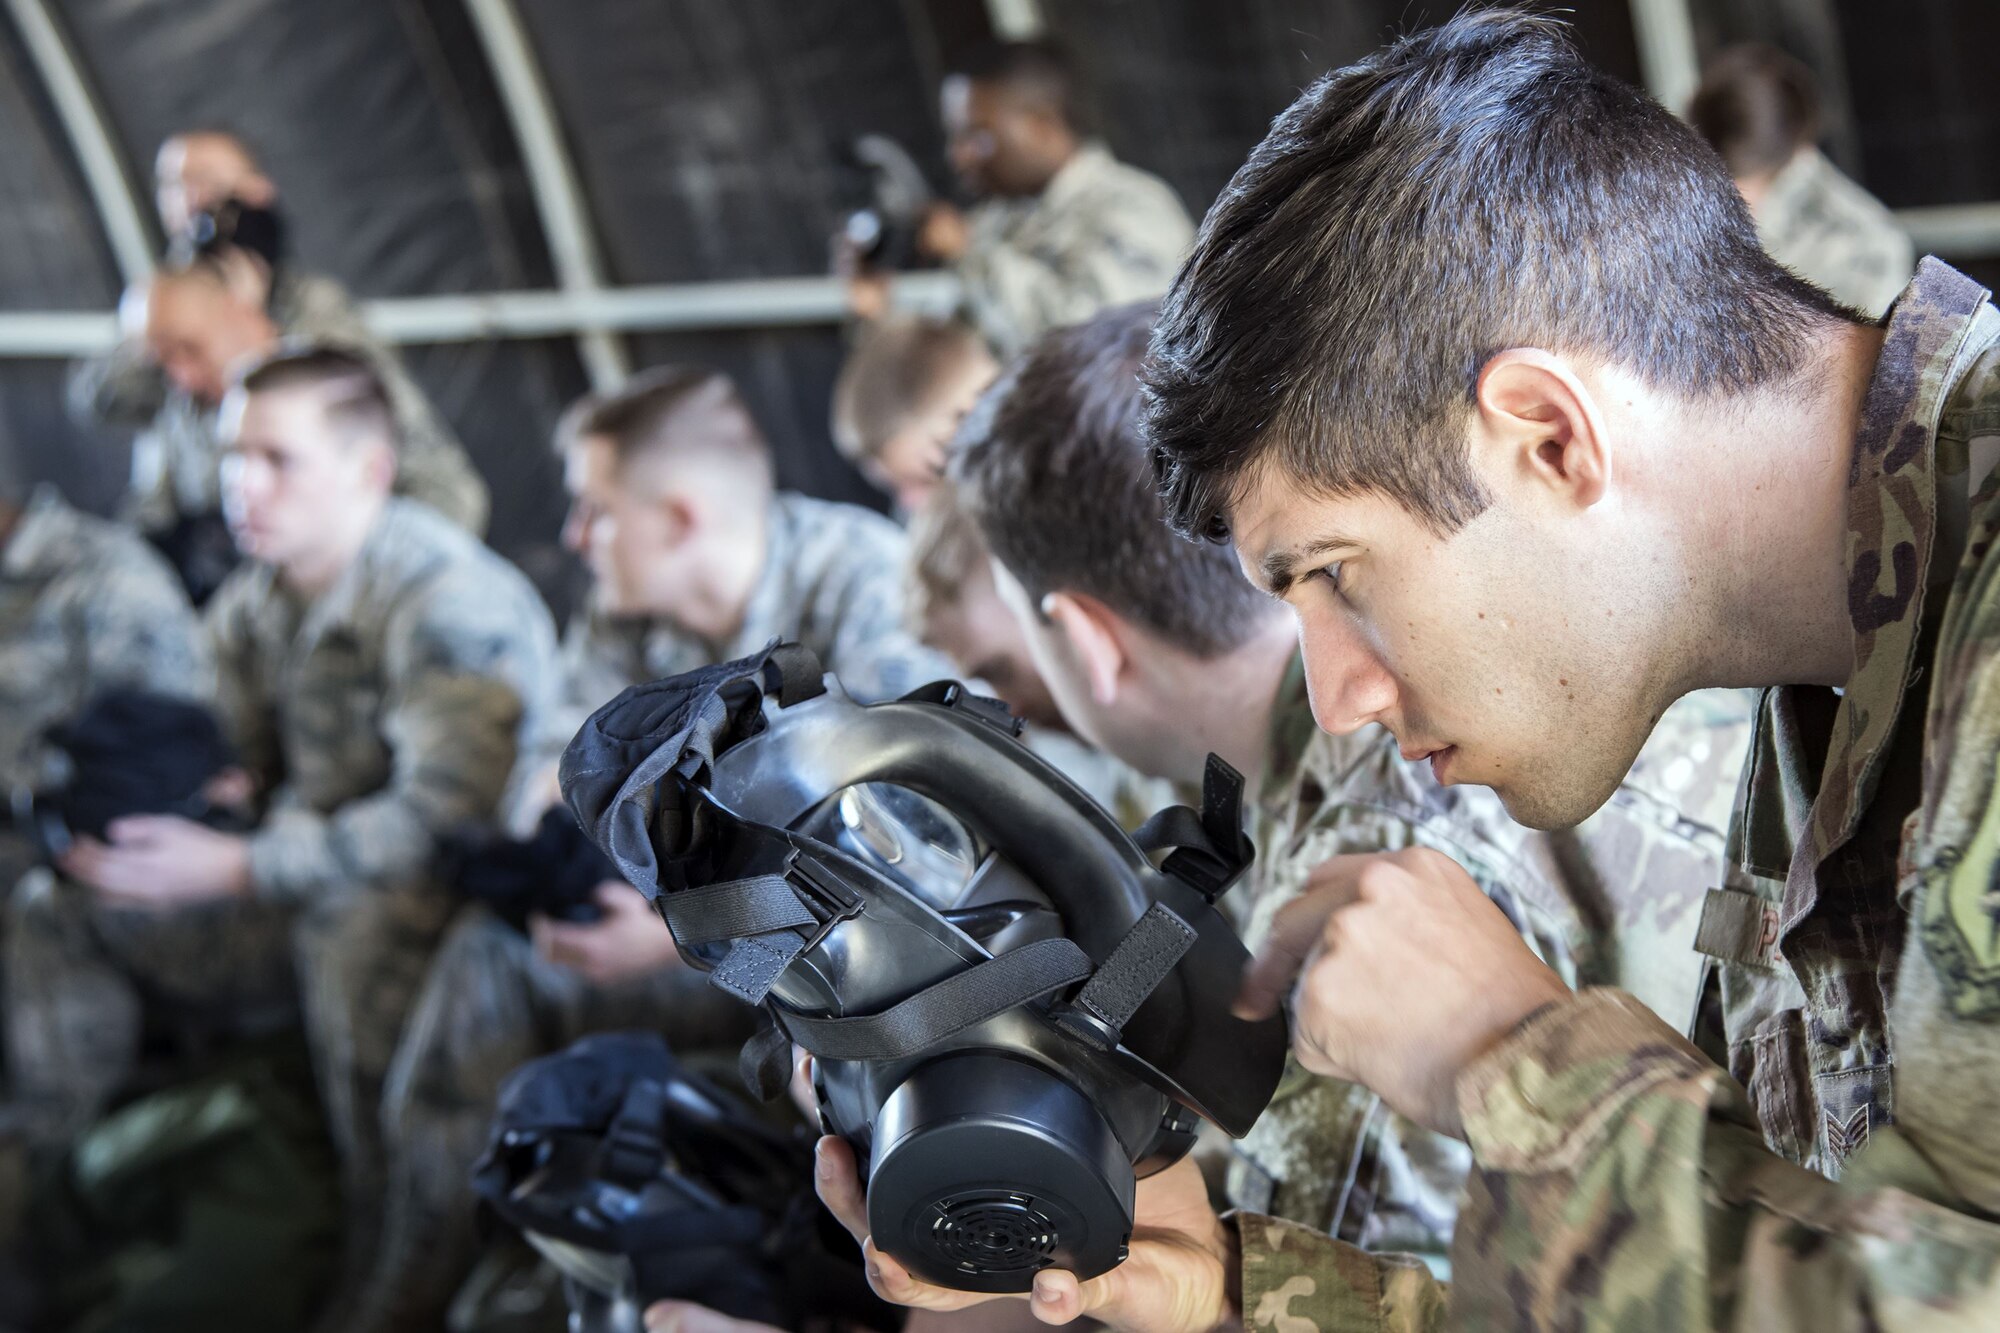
{"points": [[1096, 637], [381, 466], [1537, 423], [683, 515]]}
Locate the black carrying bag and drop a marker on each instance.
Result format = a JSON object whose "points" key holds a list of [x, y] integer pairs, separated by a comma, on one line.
{"points": [[643, 1181]]}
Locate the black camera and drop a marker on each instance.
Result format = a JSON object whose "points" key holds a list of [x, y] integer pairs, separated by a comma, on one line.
{"points": [[1007, 1054], [882, 231], [233, 225]]}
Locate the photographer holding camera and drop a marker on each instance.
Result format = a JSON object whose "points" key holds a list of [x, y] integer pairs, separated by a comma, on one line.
{"points": [[1060, 228], [228, 296]]}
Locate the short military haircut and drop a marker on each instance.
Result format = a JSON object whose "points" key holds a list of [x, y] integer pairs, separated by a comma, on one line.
{"points": [[675, 411], [896, 370], [1757, 107], [1036, 72], [1052, 468], [569, 426], [350, 392], [945, 553], [1470, 188]]}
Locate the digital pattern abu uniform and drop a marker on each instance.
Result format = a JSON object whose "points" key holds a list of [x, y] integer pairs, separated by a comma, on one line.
{"points": [[1101, 234], [176, 457]]}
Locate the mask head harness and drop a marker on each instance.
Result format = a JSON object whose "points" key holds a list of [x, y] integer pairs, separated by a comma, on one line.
{"points": [[1007, 1054]]}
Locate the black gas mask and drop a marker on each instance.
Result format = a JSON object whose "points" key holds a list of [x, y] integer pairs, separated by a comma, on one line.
{"points": [[639, 1180], [125, 752], [1007, 1054]]}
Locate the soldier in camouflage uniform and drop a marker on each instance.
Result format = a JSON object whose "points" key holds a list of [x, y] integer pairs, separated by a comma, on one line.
{"points": [[378, 668], [1063, 228], [1760, 109], [1614, 901], [696, 560], [85, 606], [1604, 902]]}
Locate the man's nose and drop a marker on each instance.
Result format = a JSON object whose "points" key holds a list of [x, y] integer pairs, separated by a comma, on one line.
{"points": [[1350, 686]]}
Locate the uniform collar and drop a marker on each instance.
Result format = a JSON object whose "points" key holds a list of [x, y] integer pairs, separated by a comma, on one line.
{"points": [[1892, 530], [1790, 191], [1075, 175], [764, 614], [340, 603]]}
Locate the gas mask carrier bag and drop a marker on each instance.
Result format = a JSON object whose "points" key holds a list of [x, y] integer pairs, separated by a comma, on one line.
{"points": [[1007, 1053]]}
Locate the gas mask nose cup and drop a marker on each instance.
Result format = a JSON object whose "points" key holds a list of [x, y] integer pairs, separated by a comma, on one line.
{"points": [[1015, 1009]]}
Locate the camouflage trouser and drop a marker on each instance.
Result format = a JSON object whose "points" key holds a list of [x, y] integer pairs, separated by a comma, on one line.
{"points": [[489, 1005], [84, 982], [361, 963]]}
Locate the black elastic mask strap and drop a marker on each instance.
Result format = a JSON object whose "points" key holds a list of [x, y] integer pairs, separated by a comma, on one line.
{"points": [[945, 1008], [1207, 850]]}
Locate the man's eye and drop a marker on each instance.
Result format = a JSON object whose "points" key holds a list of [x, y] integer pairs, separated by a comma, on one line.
{"points": [[1329, 573]]}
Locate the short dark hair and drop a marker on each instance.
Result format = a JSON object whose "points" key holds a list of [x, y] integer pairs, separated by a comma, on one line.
{"points": [[894, 372], [1036, 71], [351, 392], [945, 552], [671, 410], [1757, 107], [1470, 188], [1051, 466]]}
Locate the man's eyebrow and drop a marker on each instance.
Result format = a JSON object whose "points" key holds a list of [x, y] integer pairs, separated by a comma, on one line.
{"points": [[1281, 568]]}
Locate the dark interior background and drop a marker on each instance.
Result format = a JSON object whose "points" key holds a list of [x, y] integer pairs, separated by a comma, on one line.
{"points": [[708, 137]]}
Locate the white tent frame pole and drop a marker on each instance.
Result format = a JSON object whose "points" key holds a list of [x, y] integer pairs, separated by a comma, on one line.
{"points": [[118, 210], [552, 178]]}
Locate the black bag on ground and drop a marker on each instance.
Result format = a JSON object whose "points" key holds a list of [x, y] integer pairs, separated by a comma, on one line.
{"points": [[640, 1180]]}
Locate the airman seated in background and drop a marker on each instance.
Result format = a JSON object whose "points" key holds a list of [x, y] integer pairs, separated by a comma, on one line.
{"points": [[377, 668], [696, 559], [900, 395], [85, 606]]}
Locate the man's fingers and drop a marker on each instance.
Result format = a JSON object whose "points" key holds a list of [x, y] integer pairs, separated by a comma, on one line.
{"points": [[687, 1317], [1057, 1297], [1296, 931], [134, 830], [893, 1283], [839, 1185]]}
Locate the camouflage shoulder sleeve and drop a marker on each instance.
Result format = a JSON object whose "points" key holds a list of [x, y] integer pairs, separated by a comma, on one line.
{"points": [[120, 386], [1298, 1280], [1122, 243], [240, 696], [1622, 1182], [138, 629]]}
